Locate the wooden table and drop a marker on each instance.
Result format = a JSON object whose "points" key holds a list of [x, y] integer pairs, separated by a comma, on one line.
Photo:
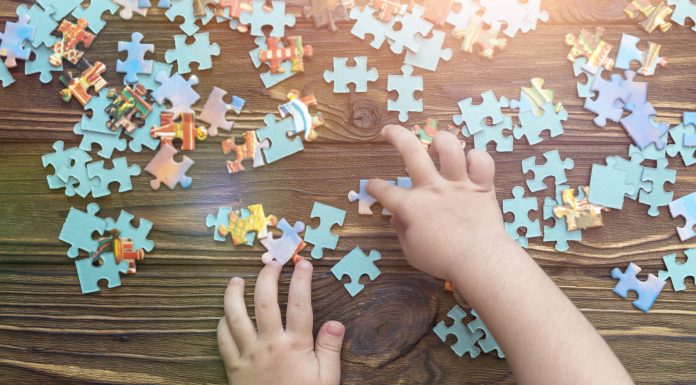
{"points": [[159, 327]]}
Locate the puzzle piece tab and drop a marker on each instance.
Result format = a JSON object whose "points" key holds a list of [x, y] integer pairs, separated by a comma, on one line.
{"points": [[355, 265], [303, 121], [90, 272], [41, 65], [41, 19], [647, 291], [683, 9], [322, 237], [73, 34], [185, 10], [657, 196], [121, 173], [78, 88]]}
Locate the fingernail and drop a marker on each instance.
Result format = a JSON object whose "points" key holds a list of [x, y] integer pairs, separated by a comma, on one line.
{"points": [[236, 280], [304, 265], [335, 329]]}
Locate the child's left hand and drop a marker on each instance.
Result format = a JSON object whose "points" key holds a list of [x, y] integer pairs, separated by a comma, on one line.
{"points": [[273, 355]]}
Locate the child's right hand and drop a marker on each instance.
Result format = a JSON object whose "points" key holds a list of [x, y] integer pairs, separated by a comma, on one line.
{"points": [[449, 216]]}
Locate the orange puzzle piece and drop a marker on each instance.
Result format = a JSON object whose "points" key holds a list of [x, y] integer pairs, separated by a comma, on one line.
{"points": [[248, 150], [255, 222], [275, 55], [579, 214], [77, 87], [73, 34]]}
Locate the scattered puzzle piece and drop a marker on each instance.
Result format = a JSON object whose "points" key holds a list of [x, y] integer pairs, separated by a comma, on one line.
{"points": [[496, 133], [108, 143], [73, 34], [41, 19], [200, 52], [608, 186], [430, 52], [100, 118], [261, 16], [678, 133], [14, 41], [477, 33], [406, 85], [218, 221], [466, 338], [366, 23], [178, 91], [215, 109], [641, 127], [278, 134], [593, 48], [185, 130], [520, 206], [685, 207], [287, 246], [515, 15], [41, 65], [355, 265], [683, 9], [166, 170], [342, 75], [365, 200], [79, 228], [90, 273], [679, 272], [606, 105], [60, 8], [474, 117], [303, 121], [489, 343], [121, 173], [327, 12], [93, 13], [585, 90], [689, 121], [657, 196], [533, 98], [634, 173], [5, 76], [554, 166], [655, 15], [558, 209], [243, 226], [268, 78], [412, 24], [135, 64], [130, 7], [185, 10], [250, 149], [532, 125], [78, 88], [646, 291], [322, 237], [125, 105], [629, 52], [141, 137], [138, 235], [277, 54], [461, 18], [578, 212]]}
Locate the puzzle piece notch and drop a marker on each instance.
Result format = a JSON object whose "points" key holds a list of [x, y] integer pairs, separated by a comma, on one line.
{"points": [[532, 125], [138, 235], [70, 169], [141, 137], [14, 41], [634, 173], [5, 76], [286, 247], [430, 52], [657, 196], [201, 52], [342, 74], [135, 63], [277, 133], [216, 108], [585, 89], [563, 213], [679, 272], [79, 228], [683, 9], [678, 134], [121, 173], [554, 167], [412, 24], [466, 338], [496, 133], [78, 88], [520, 207], [108, 143], [125, 105], [168, 171], [646, 291], [487, 344], [649, 60], [686, 208], [60, 8], [41, 65], [355, 265], [321, 236], [405, 85], [261, 16], [130, 8], [90, 274], [185, 10], [641, 127], [474, 117], [250, 149]]}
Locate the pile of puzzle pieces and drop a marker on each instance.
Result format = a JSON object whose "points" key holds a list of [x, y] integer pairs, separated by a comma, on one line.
{"points": [[657, 14]]}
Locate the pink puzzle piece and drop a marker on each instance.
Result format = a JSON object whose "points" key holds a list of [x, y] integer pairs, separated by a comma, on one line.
{"points": [[166, 170]]}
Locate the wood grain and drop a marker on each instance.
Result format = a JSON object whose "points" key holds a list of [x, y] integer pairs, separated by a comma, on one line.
{"points": [[159, 327]]}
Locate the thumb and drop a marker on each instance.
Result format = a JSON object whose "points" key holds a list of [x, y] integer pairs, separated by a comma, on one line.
{"points": [[328, 349]]}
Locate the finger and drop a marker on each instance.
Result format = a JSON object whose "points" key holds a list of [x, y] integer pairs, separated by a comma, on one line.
{"points": [[400, 229], [452, 158], [268, 319], [299, 312], [226, 345], [238, 322], [328, 348], [418, 163], [481, 168], [388, 195]]}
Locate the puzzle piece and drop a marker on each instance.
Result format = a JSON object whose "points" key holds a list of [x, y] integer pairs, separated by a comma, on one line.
{"points": [[646, 291], [515, 15], [130, 7], [41, 65], [593, 48], [121, 173], [466, 338], [270, 79], [585, 90], [430, 52], [366, 23], [178, 91], [607, 105], [42, 20], [138, 235], [185, 10], [342, 75], [251, 149], [465, 10], [608, 186], [90, 274], [149, 81], [141, 137], [365, 200], [135, 63], [629, 52], [355, 265], [100, 117], [478, 33], [124, 107], [474, 117], [215, 109], [520, 207], [321, 236], [78, 88], [242, 226], [327, 12], [388, 9], [14, 41], [496, 133], [185, 130], [532, 125], [639, 90], [489, 343], [70, 170], [405, 85], [217, 221], [634, 173], [303, 121], [73, 34], [533, 98], [679, 272], [554, 167], [277, 133], [559, 233], [412, 24], [689, 121], [641, 127], [657, 196], [108, 143], [655, 15], [5, 76], [200, 52], [678, 133], [578, 212], [261, 16], [683, 9], [276, 54], [60, 8], [79, 228], [685, 207], [287, 246], [168, 171], [93, 13]]}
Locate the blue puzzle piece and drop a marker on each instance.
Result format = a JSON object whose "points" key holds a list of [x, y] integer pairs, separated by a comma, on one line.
{"points": [[585, 89], [657, 196], [685, 207], [690, 121], [634, 173], [130, 7], [355, 265], [559, 232], [135, 63], [554, 167], [222, 219], [629, 52], [137, 234], [683, 9], [678, 133], [60, 159], [679, 272], [285, 247], [647, 291], [609, 102], [608, 187], [93, 14], [270, 79], [108, 143], [277, 133], [61, 8], [640, 125], [342, 75], [41, 19], [322, 237], [141, 137], [430, 52], [489, 343], [183, 9], [5, 76], [412, 25], [121, 173], [466, 338], [260, 16], [41, 65], [532, 126], [497, 134], [149, 81], [475, 116], [79, 228], [99, 119], [367, 24], [15, 41], [520, 207], [178, 90], [107, 270], [365, 200], [200, 52], [405, 85]]}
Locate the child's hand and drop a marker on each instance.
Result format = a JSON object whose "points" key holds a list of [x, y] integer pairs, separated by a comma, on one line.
{"points": [[273, 355], [448, 216]]}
